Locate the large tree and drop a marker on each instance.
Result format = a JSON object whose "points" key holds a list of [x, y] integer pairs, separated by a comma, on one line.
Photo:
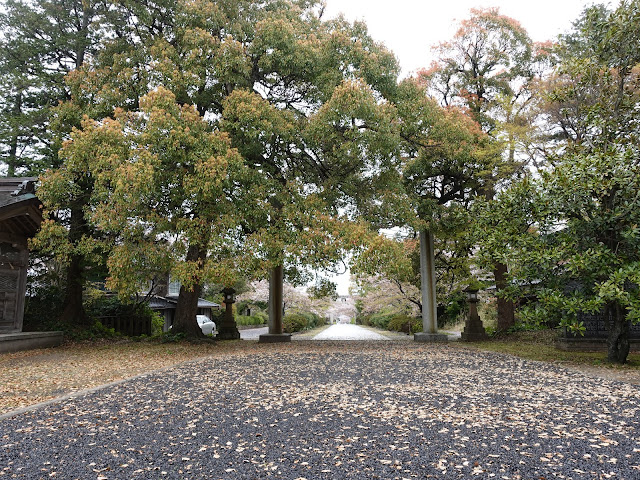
{"points": [[490, 66], [573, 235], [441, 159], [40, 42], [168, 185], [302, 100]]}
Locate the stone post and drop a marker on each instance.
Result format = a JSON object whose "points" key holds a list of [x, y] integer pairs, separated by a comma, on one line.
{"points": [[276, 297], [428, 288]]}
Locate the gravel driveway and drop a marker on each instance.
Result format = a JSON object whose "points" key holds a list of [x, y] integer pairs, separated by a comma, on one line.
{"points": [[334, 410]]}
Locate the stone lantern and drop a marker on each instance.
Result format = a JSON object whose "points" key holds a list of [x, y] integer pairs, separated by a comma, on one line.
{"points": [[228, 330], [473, 328]]}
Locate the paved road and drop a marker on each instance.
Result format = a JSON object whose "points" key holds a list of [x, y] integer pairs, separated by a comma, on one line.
{"points": [[334, 332], [253, 333], [348, 332], [325, 410]]}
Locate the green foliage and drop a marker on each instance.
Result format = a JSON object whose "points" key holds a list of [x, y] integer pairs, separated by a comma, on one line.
{"points": [[454, 306], [294, 322], [583, 251], [98, 330], [43, 306], [416, 326], [42, 309], [157, 324], [313, 320], [172, 337], [297, 322], [594, 96], [381, 320], [405, 323], [100, 306], [323, 288], [259, 318], [41, 42], [571, 236]]}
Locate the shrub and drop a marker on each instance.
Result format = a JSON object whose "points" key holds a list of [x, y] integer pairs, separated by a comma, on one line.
{"points": [[157, 324], [42, 308], [294, 322], [313, 320], [100, 331], [405, 323], [104, 309], [381, 320], [170, 337], [257, 319], [319, 321], [455, 307], [417, 325], [393, 321]]}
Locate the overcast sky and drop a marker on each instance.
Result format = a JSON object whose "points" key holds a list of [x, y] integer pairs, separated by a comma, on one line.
{"points": [[411, 27]]}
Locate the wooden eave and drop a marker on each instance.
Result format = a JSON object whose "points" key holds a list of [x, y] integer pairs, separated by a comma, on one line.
{"points": [[21, 217]]}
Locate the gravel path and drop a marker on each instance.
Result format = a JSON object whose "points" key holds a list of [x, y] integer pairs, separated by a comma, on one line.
{"points": [[343, 331], [329, 410]]}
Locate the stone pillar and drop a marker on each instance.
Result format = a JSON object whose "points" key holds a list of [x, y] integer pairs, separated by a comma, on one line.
{"points": [[428, 288], [473, 329], [276, 298], [228, 330]]}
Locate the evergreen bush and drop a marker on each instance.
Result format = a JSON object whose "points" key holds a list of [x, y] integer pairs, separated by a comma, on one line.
{"points": [[294, 322]]}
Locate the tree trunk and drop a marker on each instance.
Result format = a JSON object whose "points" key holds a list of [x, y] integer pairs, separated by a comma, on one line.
{"points": [[73, 309], [12, 157], [506, 317], [618, 340], [187, 308]]}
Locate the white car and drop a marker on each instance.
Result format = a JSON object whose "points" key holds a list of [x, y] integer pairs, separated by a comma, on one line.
{"points": [[206, 325]]}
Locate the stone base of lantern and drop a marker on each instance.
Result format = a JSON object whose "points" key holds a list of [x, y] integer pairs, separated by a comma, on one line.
{"points": [[474, 332], [228, 333]]}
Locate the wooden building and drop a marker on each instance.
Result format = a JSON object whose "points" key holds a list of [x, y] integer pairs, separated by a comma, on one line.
{"points": [[20, 218], [167, 307], [163, 297]]}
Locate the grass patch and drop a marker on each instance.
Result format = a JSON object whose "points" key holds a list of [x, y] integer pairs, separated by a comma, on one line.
{"points": [[539, 345]]}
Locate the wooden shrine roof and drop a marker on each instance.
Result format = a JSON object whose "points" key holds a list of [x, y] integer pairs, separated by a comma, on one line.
{"points": [[20, 212]]}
